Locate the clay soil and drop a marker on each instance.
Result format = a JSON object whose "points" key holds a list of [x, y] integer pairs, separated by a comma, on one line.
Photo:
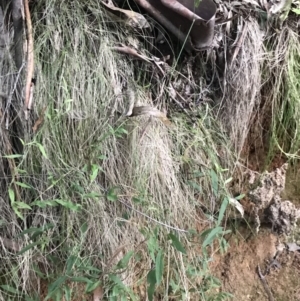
{"points": [[237, 269]]}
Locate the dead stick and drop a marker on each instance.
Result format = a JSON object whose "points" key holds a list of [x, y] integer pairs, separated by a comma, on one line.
{"points": [[265, 284], [131, 51], [30, 57]]}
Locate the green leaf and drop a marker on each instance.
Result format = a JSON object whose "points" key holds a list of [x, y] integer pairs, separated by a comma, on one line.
{"points": [[159, 266], [198, 174], [137, 200], [222, 210], [95, 169], [120, 284], [214, 182], [195, 186], [111, 195], [176, 243], [117, 280], [92, 195], [17, 212], [44, 204], [38, 271], [39, 230], [296, 11], [55, 286], [70, 262], [92, 286], [116, 291], [152, 246], [119, 132], [123, 131], [22, 185], [151, 279], [83, 228], [42, 150], [12, 156], [67, 293], [123, 298], [11, 195], [78, 188], [214, 281], [213, 233], [81, 279], [28, 247], [124, 261], [240, 197], [22, 205], [69, 205], [90, 269], [205, 233], [58, 295], [9, 289], [197, 3]]}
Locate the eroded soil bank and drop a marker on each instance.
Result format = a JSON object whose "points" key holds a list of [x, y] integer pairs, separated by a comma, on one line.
{"points": [[277, 255]]}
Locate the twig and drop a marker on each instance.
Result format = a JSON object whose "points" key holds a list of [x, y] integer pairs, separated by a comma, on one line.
{"points": [[265, 284], [131, 51], [152, 219], [30, 60]]}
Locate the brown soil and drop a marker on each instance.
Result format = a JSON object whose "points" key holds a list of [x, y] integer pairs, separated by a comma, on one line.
{"points": [[237, 270]]}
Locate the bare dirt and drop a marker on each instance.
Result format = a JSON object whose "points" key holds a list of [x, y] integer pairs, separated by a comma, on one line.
{"points": [[280, 265], [237, 270]]}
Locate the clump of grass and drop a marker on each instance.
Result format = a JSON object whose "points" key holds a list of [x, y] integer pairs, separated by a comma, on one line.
{"points": [[94, 185], [277, 119], [242, 82], [286, 108]]}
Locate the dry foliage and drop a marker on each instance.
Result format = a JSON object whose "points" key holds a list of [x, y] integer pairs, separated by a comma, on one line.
{"points": [[84, 163]]}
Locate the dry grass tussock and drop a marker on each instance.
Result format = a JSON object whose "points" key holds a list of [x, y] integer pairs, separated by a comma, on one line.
{"points": [[87, 154], [275, 125], [285, 97], [258, 106], [242, 82]]}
